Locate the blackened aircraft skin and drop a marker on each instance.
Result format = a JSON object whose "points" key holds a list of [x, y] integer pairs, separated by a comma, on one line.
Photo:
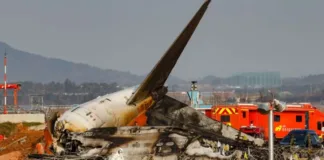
{"points": [[137, 143]]}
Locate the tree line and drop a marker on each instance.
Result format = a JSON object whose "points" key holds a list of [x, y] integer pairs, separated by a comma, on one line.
{"points": [[56, 93], [68, 92]]}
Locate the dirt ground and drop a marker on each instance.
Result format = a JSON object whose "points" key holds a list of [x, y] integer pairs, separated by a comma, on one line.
{"points": [[27, 139], [16, 155]]}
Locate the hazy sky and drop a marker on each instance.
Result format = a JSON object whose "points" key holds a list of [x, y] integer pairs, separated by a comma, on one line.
{"points": [[131, 35]]}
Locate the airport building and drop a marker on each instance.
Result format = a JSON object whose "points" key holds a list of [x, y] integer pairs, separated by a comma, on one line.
{"points": [[255, 79]]}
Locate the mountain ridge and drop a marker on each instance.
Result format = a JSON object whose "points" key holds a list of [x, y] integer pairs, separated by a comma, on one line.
{"points": [[26, 66]]}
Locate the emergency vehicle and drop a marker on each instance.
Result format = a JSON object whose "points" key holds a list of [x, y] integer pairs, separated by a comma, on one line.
{"points": [[248, 119]]}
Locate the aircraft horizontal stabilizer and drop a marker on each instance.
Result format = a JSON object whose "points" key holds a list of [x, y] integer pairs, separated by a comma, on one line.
{"points": [[160, 73]]}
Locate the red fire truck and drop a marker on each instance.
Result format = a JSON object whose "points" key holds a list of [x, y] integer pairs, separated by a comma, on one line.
{"points": [[245, 117]]}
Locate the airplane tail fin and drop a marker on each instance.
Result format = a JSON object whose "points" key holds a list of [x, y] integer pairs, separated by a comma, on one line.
{"points": [[160, 73]]}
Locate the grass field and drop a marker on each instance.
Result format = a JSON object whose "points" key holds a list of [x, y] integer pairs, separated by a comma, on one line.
{"points": [[8, 128]]}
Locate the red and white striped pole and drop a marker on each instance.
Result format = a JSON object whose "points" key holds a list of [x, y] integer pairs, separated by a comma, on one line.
{"points": [[5, 84]]}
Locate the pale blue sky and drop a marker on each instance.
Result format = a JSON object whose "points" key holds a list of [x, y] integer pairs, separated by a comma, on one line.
{"points": [[131, 35]]}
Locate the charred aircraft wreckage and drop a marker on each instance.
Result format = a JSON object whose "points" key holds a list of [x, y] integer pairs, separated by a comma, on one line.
{"points": [[105, 127]]}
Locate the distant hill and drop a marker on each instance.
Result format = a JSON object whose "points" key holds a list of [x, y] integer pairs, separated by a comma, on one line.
{"points": [[212, 80], [24, 66], [317, 79], [305, 80]]}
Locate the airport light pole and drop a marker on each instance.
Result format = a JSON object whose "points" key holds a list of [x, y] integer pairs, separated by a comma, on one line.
{"points": [[269, 108], [270, 121]]}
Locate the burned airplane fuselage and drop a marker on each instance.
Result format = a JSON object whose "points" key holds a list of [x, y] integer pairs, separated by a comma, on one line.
{"points": [[176, 131], [122, 107], [83, 130]]}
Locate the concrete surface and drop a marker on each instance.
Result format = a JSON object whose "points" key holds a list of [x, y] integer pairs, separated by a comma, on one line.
{"points": [[17, 118], [37, 128]]}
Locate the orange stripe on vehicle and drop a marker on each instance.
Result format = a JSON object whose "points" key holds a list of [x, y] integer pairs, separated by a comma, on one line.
{"points": [[228, 110], [221, 111]]}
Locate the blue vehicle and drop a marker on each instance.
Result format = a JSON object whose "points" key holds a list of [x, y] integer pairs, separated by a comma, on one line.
{"points": [[300, 138]]}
